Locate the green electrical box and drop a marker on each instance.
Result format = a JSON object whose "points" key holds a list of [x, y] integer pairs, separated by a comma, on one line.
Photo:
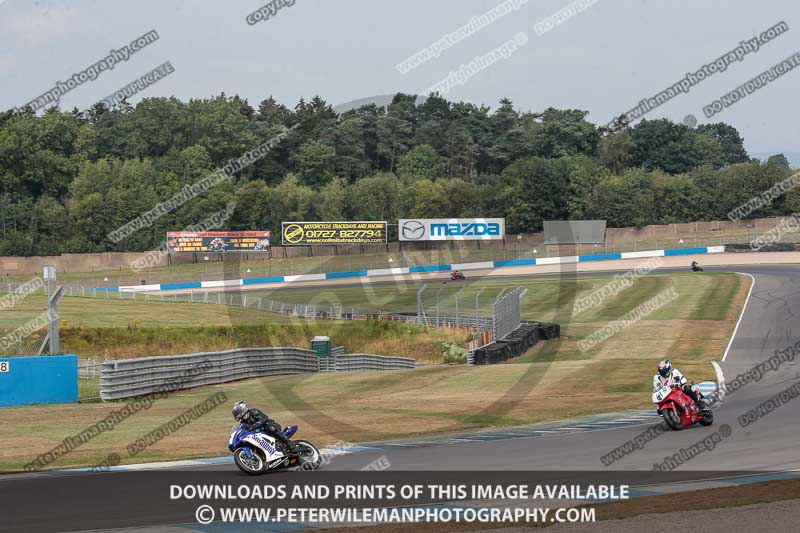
{"points": [[321, 345]]}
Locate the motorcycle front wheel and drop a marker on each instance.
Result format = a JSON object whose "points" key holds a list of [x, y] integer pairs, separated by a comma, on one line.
{"points": [[673, 419], [253, 465]]}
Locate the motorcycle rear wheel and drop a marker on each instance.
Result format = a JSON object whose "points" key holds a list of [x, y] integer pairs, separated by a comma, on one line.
{"points": [[253, 465], [707, 419], [310, 458], [673, 419]]}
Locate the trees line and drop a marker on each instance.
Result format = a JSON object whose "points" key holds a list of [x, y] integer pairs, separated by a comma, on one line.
{"points": [[67, 179]]}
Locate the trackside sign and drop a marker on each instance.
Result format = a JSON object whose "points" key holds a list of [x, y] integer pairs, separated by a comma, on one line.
{"points": [[451, 229]]}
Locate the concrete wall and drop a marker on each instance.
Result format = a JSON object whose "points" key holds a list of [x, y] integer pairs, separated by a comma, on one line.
{"points": [[73, 262], [525, 241]]}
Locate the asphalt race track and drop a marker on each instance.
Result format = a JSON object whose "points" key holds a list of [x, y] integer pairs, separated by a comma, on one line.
{"points": [[81, 502]]}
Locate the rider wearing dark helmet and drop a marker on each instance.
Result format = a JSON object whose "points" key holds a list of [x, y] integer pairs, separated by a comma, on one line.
{"points": [[669, 376], [254, 419]]}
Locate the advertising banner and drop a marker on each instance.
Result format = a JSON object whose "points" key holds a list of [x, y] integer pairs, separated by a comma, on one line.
{"points": [[451, 229], [311, 233], [218, 241], [574, 231]]}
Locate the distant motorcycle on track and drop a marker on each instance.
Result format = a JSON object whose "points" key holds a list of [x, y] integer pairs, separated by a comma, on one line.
{"points": [[457, 276], [256, 452], [696, 267]]}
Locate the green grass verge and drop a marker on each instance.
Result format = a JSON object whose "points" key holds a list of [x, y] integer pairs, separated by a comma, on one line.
{"points": [[548, 299]]}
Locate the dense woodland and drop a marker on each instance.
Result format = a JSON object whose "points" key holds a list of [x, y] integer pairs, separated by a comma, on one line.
{"points": [[68, 180]]}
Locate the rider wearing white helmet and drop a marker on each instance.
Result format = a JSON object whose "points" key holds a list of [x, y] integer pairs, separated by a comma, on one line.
{"points": [[668, 375]]}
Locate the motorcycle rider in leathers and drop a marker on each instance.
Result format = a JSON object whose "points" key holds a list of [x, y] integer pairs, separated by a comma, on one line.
{"points": [[669, 376], [254, 419]]}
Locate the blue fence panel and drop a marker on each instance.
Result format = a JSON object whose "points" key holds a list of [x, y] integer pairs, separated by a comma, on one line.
{"points": [[431, 268], [186, 285], [353, 274], [686, 251], [43, 379], [514, 263], [599, 257], [255, 281]]}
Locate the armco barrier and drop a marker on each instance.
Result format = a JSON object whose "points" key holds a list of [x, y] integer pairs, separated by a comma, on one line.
{"points": [[337, 351], [148, 375], [359, 362], [415, 269], [127, 378], [32, 380], [516, 343]]}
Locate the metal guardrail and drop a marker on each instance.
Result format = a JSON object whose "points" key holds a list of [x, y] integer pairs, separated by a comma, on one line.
{"points": [[149, 375], [360, 362], [328, 364], [127, 378]]}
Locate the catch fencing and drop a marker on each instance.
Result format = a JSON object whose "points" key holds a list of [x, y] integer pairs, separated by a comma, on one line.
{"points": [[38, 330], [129, 378], [506, 313], [258, 303], [292, 309], [506, 319], [505, 310], [452, 312], [89, 379]]}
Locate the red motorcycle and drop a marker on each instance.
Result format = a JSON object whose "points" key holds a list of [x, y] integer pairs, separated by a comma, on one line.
{"points": [[678, 409], [457, 276]]}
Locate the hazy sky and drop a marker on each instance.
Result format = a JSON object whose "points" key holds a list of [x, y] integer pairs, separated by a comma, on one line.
{"points": [[603, 60]]}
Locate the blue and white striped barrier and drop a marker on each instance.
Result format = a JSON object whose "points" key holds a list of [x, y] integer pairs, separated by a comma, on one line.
{"points": [[707, 388], [484, 265]]}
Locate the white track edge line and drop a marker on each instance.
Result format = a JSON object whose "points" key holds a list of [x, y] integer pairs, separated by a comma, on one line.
{"points": [[741, 315]]}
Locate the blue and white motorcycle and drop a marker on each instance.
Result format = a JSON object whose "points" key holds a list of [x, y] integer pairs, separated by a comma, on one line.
{"points": [[255, 452]]}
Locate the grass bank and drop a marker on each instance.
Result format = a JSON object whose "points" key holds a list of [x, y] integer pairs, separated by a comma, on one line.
{"points": [[116, 329], [383, 338]]}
